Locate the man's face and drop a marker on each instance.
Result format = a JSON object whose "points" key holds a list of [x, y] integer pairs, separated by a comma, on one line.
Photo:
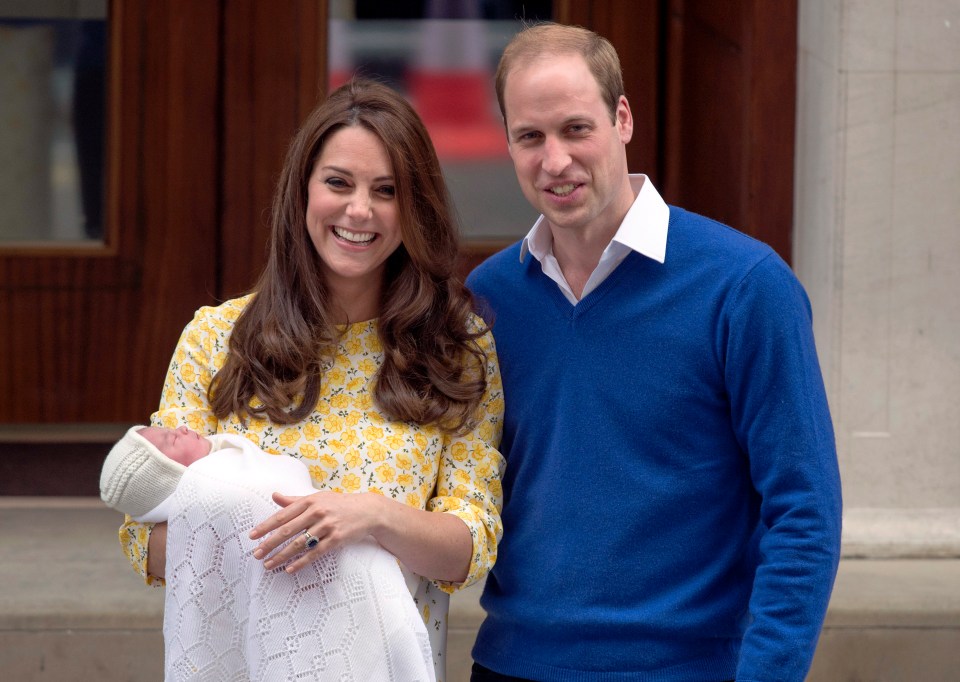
{"points": [[569, 156]]}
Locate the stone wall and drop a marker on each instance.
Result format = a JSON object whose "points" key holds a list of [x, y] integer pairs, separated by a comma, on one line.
{"points": [[877, 244]]}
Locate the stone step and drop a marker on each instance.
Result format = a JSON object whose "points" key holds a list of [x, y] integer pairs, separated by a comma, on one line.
{"points": [[71, 608]]}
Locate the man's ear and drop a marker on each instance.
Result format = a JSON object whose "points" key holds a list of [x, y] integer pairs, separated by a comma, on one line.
{"points": [[624, 120]]}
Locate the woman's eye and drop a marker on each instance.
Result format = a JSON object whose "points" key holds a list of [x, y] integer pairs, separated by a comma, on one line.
{"points": [[336, 183], [387, 191]]}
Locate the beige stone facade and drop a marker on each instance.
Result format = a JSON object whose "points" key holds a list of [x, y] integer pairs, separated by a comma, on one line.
{"points": [[877, 244]]}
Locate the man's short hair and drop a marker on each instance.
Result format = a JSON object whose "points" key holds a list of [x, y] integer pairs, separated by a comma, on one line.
{"points": [[549, 38]]}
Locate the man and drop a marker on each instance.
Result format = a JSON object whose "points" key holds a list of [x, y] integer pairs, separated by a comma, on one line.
{"points": [[672, 497]]}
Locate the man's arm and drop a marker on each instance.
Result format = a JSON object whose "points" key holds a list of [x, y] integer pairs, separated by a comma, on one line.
{"points": [[780, 414]]}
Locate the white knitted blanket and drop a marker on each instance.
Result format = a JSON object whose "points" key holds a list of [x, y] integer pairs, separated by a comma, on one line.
{"points": [[348, 616]]}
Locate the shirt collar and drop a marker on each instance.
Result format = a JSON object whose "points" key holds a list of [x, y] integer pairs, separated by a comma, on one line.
{"points": [[644, 228]]}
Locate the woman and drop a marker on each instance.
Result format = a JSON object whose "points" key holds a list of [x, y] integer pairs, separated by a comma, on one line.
{"points": [[357, 343]]}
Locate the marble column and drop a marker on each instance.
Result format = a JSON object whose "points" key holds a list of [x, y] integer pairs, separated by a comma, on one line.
{"points": [[877, 244]]}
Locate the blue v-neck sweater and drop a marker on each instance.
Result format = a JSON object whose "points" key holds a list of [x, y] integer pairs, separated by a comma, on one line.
{"points": [[671, 497]]}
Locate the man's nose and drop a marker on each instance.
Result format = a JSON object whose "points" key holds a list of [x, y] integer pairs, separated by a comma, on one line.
{"points": [[556, 158]]}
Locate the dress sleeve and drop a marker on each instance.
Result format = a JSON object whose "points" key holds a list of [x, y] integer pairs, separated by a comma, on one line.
{"points": [[468, 481], [200, 351]]}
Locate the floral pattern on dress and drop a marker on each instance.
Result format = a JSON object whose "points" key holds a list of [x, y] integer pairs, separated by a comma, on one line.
{"points": [[347, 444]]}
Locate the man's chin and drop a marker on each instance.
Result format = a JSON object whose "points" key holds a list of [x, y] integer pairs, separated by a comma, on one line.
{"points": [[566, 221]]}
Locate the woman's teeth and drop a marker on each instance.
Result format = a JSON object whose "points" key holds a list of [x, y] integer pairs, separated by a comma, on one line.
{"points": [[562, 190], [354, 237]]}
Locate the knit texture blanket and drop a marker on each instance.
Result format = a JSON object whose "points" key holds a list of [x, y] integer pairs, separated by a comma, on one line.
{"points": [[348, 616]]}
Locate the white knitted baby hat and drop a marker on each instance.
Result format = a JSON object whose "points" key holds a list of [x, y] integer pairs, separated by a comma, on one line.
{"points": [[136, 476]]}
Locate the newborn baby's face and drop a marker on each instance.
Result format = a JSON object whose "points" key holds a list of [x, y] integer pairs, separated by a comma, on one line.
{"points": [[180, 444]]}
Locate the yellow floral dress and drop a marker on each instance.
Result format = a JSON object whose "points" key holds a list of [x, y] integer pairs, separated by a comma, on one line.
{"points": [[347, 443]]}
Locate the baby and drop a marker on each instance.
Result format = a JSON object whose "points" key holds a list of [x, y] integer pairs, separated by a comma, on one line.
{"points": [[224, 615], [144, 467]]}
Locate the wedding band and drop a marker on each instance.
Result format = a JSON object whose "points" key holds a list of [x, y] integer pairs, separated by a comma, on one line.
{"points": [[311, 540]]}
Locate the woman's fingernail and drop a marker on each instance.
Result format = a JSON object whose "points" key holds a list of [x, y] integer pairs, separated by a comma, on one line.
{"points": [[257, 553], [268, 564]]}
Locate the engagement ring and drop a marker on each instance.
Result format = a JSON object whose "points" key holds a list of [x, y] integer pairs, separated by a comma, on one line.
{"points": [[311, 540]]}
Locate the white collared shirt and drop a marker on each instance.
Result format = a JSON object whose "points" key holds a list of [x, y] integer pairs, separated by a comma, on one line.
{"points": [[644, 229]]}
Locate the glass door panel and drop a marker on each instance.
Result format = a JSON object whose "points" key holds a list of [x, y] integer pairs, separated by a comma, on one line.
{"points": [[53, 65]]}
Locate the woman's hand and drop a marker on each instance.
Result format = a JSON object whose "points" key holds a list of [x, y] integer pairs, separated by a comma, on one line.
{"points": [[334, 518], [438, 546], [157, 551]]}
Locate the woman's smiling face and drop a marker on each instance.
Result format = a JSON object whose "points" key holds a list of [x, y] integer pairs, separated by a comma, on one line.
{"points": [[352, 215]]}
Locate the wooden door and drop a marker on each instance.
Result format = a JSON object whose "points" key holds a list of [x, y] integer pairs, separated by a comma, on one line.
{"points": [[729, 80], [87, 330], [203, 97]]}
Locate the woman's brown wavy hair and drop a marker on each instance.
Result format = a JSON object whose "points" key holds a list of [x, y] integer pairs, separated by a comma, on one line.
{"points": [[433, 371]]}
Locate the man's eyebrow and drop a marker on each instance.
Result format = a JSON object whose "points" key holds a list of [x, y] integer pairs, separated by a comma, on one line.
{"points": [[578, 118], [573, 118], [520, 129]]}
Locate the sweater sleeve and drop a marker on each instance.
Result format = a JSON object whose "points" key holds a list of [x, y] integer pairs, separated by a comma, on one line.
{"points": [[468, 481], [780, 415], [198, 354]]}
